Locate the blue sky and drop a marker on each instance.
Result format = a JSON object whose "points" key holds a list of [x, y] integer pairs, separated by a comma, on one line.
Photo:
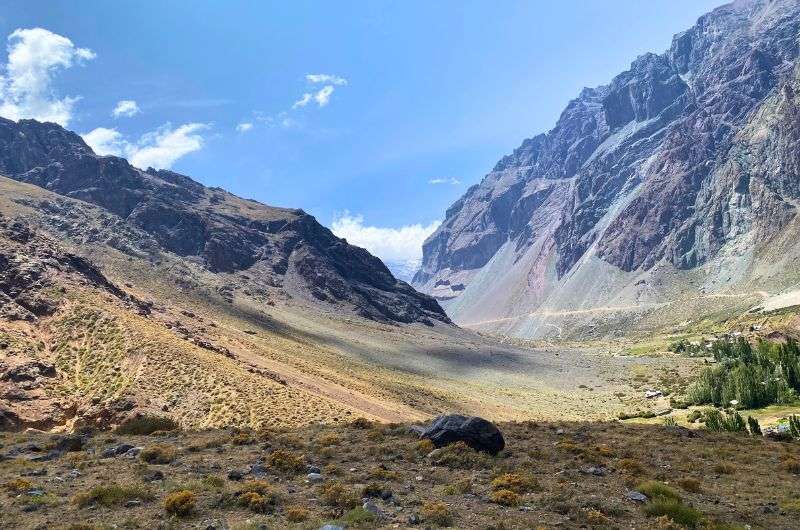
{"points": [[420, 99]]}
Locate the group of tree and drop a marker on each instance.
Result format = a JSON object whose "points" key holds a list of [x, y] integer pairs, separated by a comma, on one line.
{"points": [[749, 376]]}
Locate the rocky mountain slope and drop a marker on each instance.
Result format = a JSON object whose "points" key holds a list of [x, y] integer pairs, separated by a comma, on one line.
{"points": [[161, 211], [676, 182]]}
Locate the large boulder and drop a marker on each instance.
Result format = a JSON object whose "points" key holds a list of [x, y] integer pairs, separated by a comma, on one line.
{"points": [[478, 433]]}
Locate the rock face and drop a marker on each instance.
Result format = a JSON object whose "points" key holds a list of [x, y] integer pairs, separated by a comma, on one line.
{"points": [[684, 166], [478, 433], [150, 211]]}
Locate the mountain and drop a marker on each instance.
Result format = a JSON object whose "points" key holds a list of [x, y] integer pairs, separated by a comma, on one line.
{"points": [[125, 291], [163, 211], [666, 195]]}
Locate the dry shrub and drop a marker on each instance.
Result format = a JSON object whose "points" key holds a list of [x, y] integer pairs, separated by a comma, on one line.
{"points": [[436, 512], [692, 485], [338, 495], [158, 454], [180, 503], [257, 496], [425, 446], [328, 439], [361, 423], [242, 438], [504, 497], [724, 468], [460, 487], [286, 461], [297, 514], [790, 464], [112, 495], [460, 455], [516, 482], [631, 466], [18, 485], [381, 473]]}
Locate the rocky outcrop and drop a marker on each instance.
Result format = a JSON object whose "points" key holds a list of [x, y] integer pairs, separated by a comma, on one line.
{"points": [[667, 165], [151, 211]]}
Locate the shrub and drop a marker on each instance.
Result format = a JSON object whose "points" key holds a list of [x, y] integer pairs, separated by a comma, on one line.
{"points": [[658, 490], [674, 510], [286, 461], [515, 482], [180, 503], [336, 494], [460, 455], [425, 446], [460, 487], [716, 421], [692, 485], [145, 425], [328, 439], [297, 514], [18, 485], [257, 496], [504, 497], [436, 512], [158, 454], [790, 464], [753, 426], [361, 423], [112, 495], [357, 517], [724, 468]]}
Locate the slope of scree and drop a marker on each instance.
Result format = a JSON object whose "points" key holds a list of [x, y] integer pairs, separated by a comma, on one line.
{"points": [[680, 174], [224, 233]]}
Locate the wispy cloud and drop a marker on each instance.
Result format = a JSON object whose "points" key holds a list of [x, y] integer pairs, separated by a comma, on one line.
{"points": [[244, 127], [34, 56], [400, 248], [126, 108], [323, 97], [326, 78], [304, 100], [159, 149], [451, 180]]}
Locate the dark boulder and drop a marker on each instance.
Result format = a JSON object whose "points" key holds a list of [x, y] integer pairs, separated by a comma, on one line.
{"points": [[478, 433]]}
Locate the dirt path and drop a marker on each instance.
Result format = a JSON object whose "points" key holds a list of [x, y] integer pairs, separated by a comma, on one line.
{"points": [[632, 307]]}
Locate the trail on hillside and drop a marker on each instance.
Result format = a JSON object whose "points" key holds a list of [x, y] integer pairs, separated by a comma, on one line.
{"points": [[613, 309]]}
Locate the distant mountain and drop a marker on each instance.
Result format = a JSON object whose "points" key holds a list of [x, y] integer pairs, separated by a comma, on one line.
{"points": [[678, 181], [163, 211]]}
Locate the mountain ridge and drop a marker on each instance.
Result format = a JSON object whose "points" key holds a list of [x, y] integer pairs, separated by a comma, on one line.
{"points": [[635, 183]]}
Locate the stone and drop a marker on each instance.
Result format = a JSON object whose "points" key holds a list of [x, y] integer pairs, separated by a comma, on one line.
{"points": [[71, 443], [331, 527], [372, 508], [314, 477], [636, 496], [236, 474], [117, 450], [478, 433]]}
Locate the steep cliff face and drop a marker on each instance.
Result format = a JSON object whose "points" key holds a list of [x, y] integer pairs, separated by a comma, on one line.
{"points": [[151, 211], [686, 159]]}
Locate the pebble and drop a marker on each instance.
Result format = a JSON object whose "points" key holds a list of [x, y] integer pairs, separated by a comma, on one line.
{"points": [[235, 474], [314, 477], [313, 469], [372, 508]]}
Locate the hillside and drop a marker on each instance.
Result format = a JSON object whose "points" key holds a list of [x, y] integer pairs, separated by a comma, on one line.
{"points": [[665, 195]]}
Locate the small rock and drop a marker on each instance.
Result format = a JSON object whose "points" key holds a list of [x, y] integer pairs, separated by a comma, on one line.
{"points": [[35, 493], [314, 477], [372, 508], [313, 469], [331, 527], [235, 474], [258, 470], [413, 519], [117, 450], [597, 471], [35, 473], [636, 496], [52, 455], [133, 504]]}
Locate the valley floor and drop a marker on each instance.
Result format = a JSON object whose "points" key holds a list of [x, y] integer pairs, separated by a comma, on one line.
{"points": [[551, 474]]}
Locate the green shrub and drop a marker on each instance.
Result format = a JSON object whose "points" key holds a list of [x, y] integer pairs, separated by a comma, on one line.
{"points": [[112, 495], [717, 421], [676, 511], [658, 490], [753, 426]]}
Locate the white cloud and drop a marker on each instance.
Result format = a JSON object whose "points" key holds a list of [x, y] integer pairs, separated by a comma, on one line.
{"points": [[304, 100], [452, 180], [34, 56], [244, 127], [326, 78], [323, 97], [400, 248], [159, 149], [126, 108]]}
